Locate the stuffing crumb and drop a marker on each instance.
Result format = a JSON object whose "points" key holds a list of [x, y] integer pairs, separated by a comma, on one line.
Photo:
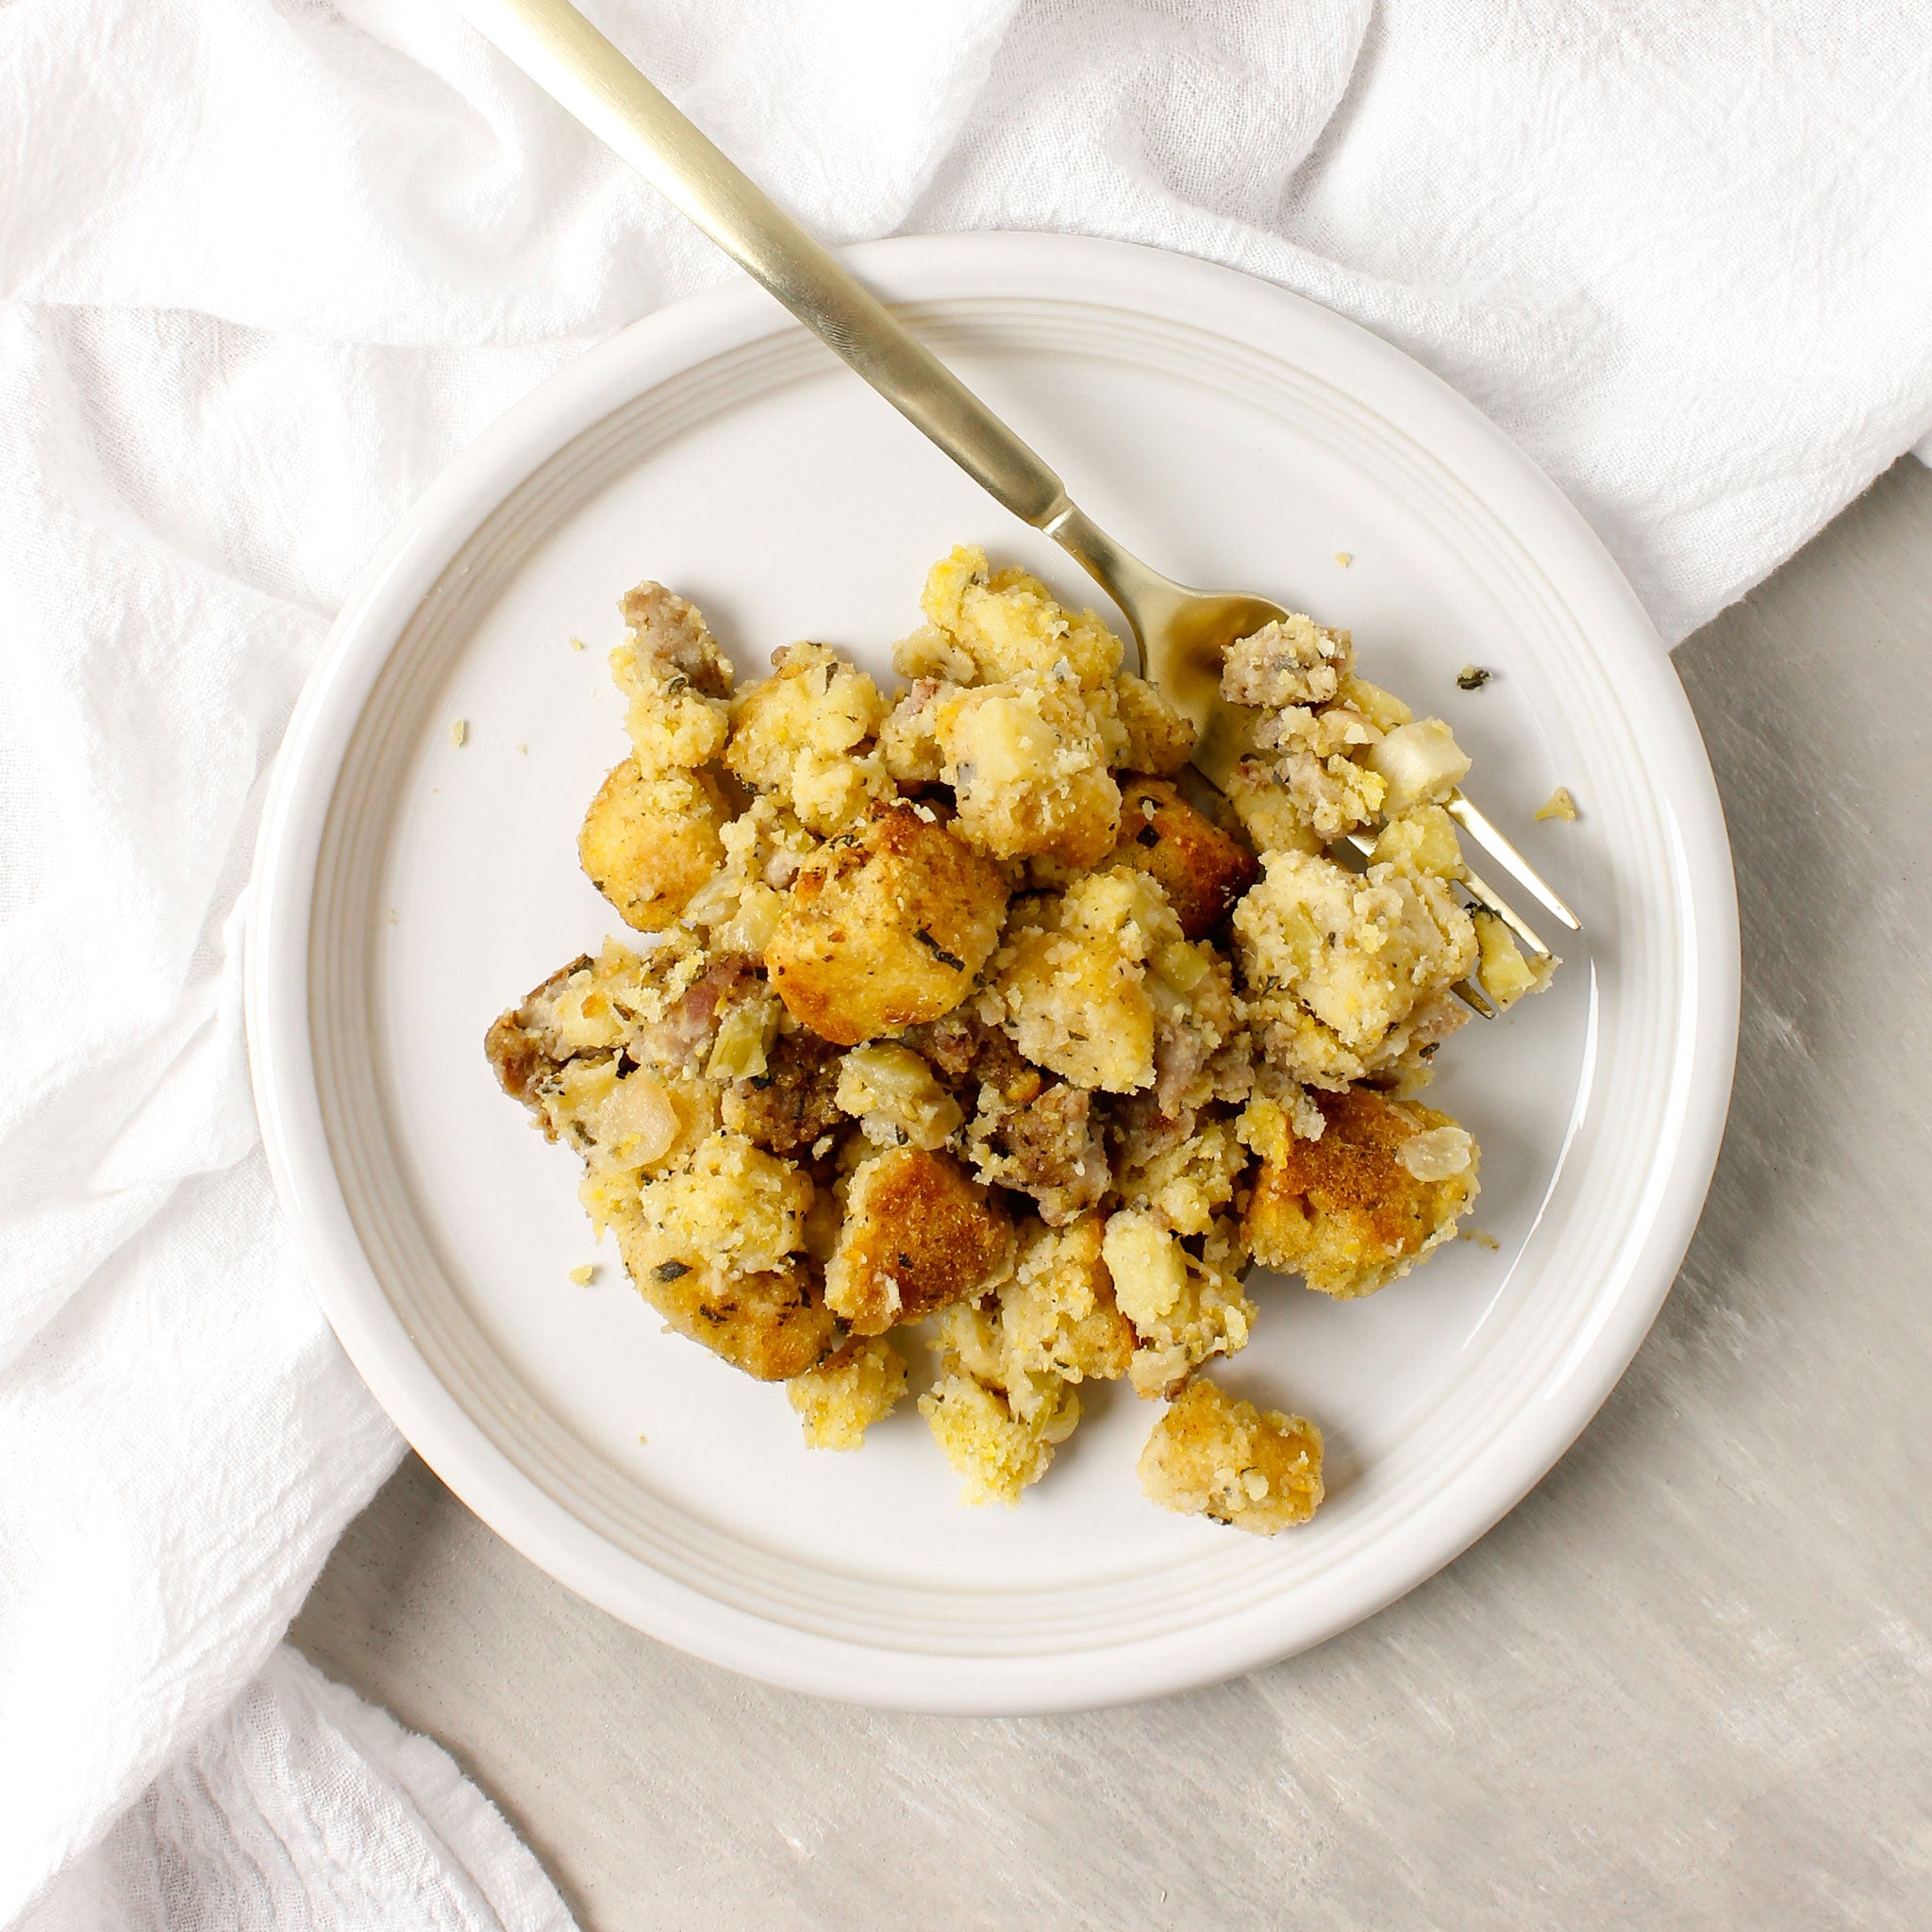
{"points": [[1472, 678], [1560, 805], [842, 1398], [1344, 557], [1210, 1455], [459, 732], [949, 1020]]}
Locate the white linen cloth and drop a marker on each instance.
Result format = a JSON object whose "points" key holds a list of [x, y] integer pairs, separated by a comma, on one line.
{"points": [[304, 1807], [266, 265]]}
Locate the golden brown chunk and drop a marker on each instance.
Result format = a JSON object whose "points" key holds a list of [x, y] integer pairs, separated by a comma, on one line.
{"points": [[1210, 1455], [1053, 1320], [677, 680], [1339, 967], [1158, 738], [1292, 661], [844, 1395], [1503, 970], [1007, 621], [997, 1453], [1028, 769], [770, 1324], [918, 1234], [648, 845], [796, 736], [1183, 1308], [1200, 868], [1071, 982], [1348, 1212], [884, 925], [892, 1094]]}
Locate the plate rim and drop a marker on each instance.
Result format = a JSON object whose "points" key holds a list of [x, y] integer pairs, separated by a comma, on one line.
{"points": [[911, 268]]}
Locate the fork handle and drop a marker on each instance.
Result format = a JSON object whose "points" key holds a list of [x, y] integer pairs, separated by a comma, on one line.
{"points": [[570, 60]]}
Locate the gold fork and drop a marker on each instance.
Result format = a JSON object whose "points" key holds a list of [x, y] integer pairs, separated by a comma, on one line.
{"points": [[1181, 633]]}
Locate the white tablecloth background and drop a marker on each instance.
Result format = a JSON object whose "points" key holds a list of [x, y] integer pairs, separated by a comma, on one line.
{"points": [[266, 265]]}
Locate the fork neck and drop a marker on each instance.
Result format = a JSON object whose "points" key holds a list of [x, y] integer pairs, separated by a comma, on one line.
{"points": [[1144, 595]]}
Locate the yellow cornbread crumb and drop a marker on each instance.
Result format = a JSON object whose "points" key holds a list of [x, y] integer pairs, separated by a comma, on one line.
{"points": [[458, 731], [996, 1453], [1210, 1455], [584, 1273], [843, 1397], [1560, 805]]}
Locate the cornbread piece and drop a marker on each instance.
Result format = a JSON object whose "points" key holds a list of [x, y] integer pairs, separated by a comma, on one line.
{"points": [[1295, 662], [734, 1208], [1007, 621], [995, 1452], [1421, 763], [1182, 1309], [908, 739], [770, 1324], [890, 1091], [1210, 1455], [1070, 984], [846, 1393], [1195, 1018], [649, 844], [929, 655], [1560, 805], [1184, 1184], [1053, 1321], [1348, 1212], [794, 1103], [1422, 840], [1315, 760], [1358, 955], [886, 926], [675, 678], [1028, 769], [1201, 869], [1381, 708], [1265, 810], [796, 736], [1158, 738], [918, 1234], [738, 907], [1501, 970], [671, 635]]}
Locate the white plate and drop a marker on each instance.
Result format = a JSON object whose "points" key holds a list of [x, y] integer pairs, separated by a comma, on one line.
{"points": [[406, 890]]}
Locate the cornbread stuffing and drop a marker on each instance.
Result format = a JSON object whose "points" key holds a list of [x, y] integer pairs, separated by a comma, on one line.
{"points": [[955, 1019]]}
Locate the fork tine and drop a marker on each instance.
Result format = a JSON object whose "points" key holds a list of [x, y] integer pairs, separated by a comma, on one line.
{"points": [[1482, 829], [1491, 899], [1470, 991]]}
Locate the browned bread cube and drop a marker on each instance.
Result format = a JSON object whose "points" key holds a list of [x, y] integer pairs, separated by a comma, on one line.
{"points": [[1200, 866], [647, 844], [919, 1234], [884, 925], [1357, 1208]]}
